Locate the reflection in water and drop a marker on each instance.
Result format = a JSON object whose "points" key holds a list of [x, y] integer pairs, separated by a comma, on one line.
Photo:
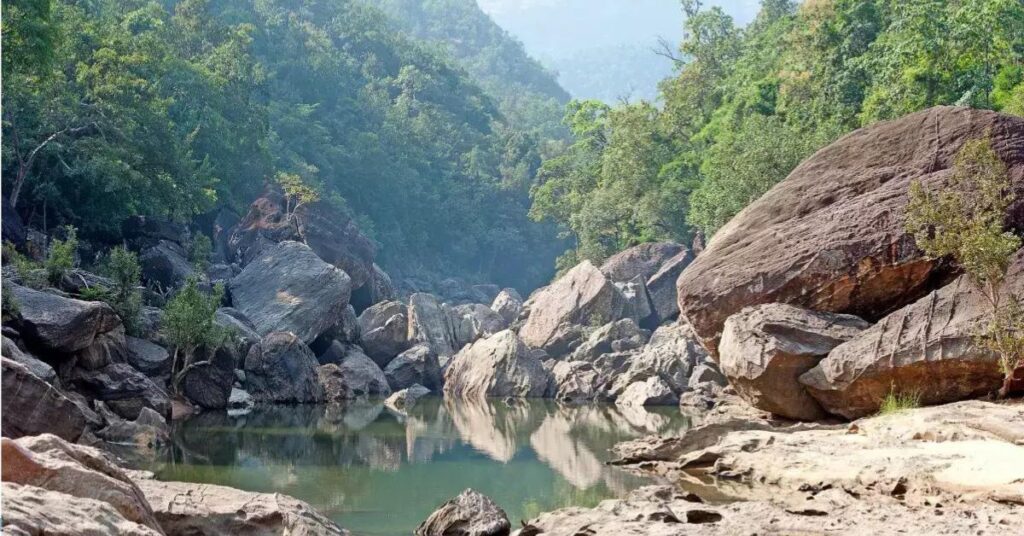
{"points": [[378, 472]]}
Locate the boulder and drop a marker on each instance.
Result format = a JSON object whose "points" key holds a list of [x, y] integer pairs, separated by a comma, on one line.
{"points": [[288, 288], [661, 287], [165, 265], [146, 231], [33, 406], [406, 398], [765, 349], [928, 349], [282, 369], [240, 401], [472, 321], [51, 463], [508, 303], [577, 381], [188, 509], [329, 233], [619, 336], [583, 296], [125, 390], [417, 365], [638, 304], [378, 289], [51, 323], [385, 331], [238, 326], [151, 359], [208, 385], [42, 370], [106, 348], [643, 260], [149, 430], [12, 229], [430, 322], [34, 510], [357, 376], [220, 234], [830, 237], [469, 514], [651, 392], [498, 366], [670, 355]]}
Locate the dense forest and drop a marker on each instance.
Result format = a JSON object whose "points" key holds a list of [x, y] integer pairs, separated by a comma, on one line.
{"points": [[748, 104], [116, 108]]}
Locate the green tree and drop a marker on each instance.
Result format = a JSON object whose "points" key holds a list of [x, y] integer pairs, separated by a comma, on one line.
{"points": [[189, 324], [122, 267]]}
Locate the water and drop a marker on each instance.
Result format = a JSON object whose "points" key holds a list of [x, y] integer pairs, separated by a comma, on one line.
{"points": [[380, 473]]}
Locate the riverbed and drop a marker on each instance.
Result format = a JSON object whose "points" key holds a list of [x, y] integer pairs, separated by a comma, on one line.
{"points": [[378, 472]]}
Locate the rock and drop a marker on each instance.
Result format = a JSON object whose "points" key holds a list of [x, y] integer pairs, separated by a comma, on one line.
{"points": [[406, 398], [185, 508], [240, 401], [11, 228], [220, 234], [209, 385], [106, 348], [928, 349], [357, 376], [149, 358], [618, 336], [150, 319], [472, 321], [830, 237], [329, 233], [165, 265], [576, 381], [417, 365], [243, 333], [76, 281], [583, 296], [53, 323], [661, 287], [385, 331], [705, 373], [638, 304], [765, 349], [469, 514], [508, 303], [123, 388], [148, 431], [40, 369], [379, 289], [430, 323], [33, 406], [221, 273], [498, 366], [148, 231], [33, 510], [643, 260], [670, 355], [283, 370], [49, 462], [651, 392], [288, 288]]}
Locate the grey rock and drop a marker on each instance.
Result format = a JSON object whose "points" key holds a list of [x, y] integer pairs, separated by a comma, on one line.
{"points": [[430, 323], [209, 385], [125, 390], [651, 392], [661, 287], [33, 406], [406, 398], [165, 265], [282, 369], [508, 303], [417, 365], [618, 336], [385, 331], [469, 514], [472, 321], [357, 376], [498, 366], [42, 370], [53, 323], [670, 355], [151, 359]]}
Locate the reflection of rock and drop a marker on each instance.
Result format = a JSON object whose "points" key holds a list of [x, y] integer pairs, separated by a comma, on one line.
{"points": [[570, 458], [641, 419], [489, 427]]}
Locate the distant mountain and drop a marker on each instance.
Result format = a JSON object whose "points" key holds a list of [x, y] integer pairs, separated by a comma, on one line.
{"points": [[613, 73]]}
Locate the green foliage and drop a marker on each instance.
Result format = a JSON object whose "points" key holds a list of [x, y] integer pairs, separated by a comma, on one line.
{"points": [[61, 256], [30, 272], [122, 267], [94, 293], [199, 250], [296, 191], [9, 309], [189, 326], [897, 401]]}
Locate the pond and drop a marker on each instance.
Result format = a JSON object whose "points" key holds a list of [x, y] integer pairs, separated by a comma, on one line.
{"points": [[378, 472]]}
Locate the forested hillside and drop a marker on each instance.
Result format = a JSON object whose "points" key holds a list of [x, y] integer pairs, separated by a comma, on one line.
{"points": [[114, 108], [748, 104]]}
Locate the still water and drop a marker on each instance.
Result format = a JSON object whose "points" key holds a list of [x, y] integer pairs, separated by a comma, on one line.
{"points": [[380, 473]]}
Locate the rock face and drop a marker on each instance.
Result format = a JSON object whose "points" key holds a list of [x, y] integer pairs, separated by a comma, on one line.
{"points": [[283, 370], [643, 260], [469, 514], [651, 392], [184, 508], [33, 406], [927, 348], [332, 235], [33, 510], [125, 390], [766, 348], [472, 321], [430, 323], [48, 462], [618, 336], [56, 324], [661, 287], [498, 366], [576, 381], [209, 385], [417, 365], [357, 376], [44, 371], [583, 296], [830, 236], [288, 288], [149, 358], [670, 355], [385, 331], [166, 265], [508, 303]]}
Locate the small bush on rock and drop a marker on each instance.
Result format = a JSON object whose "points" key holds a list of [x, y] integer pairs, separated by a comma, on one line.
{"points": [[29, 271], [190, 328], [122, 267], [199, 251], [61, 256]]}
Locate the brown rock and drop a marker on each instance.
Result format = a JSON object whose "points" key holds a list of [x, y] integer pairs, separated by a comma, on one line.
{"points": [[32, 510], [32, 406], [498, 366], [766, 348], [830, 236]]}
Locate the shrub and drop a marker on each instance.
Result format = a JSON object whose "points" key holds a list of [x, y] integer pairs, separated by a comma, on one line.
{"points": [[31, 272], [189, 326], [895, 402], [199, 251], [122, 267], [9, 309], [61, 256]]}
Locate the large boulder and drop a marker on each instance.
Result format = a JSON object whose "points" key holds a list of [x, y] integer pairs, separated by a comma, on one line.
{"points": [[165, 265], [498, 366], [765, 349], [417, 365], [643, 260], [830, 237], [406, 398], [472, 321], [430, 322], [385, 331], [189, 509], [106, 348], [51, 323], [11, 351], [621, 335], [125, 390], [583, 296], [47, 461], [282, 369], [357, 376], [651, 392], [928, 349], [577, 381], [288, 288], [34, 510], [638, 303], [469, 514], [508, 303], [661, 287], [208, 385], [33, 406], [151, 359], [378, 289], [670, 355], [331, 234]]}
